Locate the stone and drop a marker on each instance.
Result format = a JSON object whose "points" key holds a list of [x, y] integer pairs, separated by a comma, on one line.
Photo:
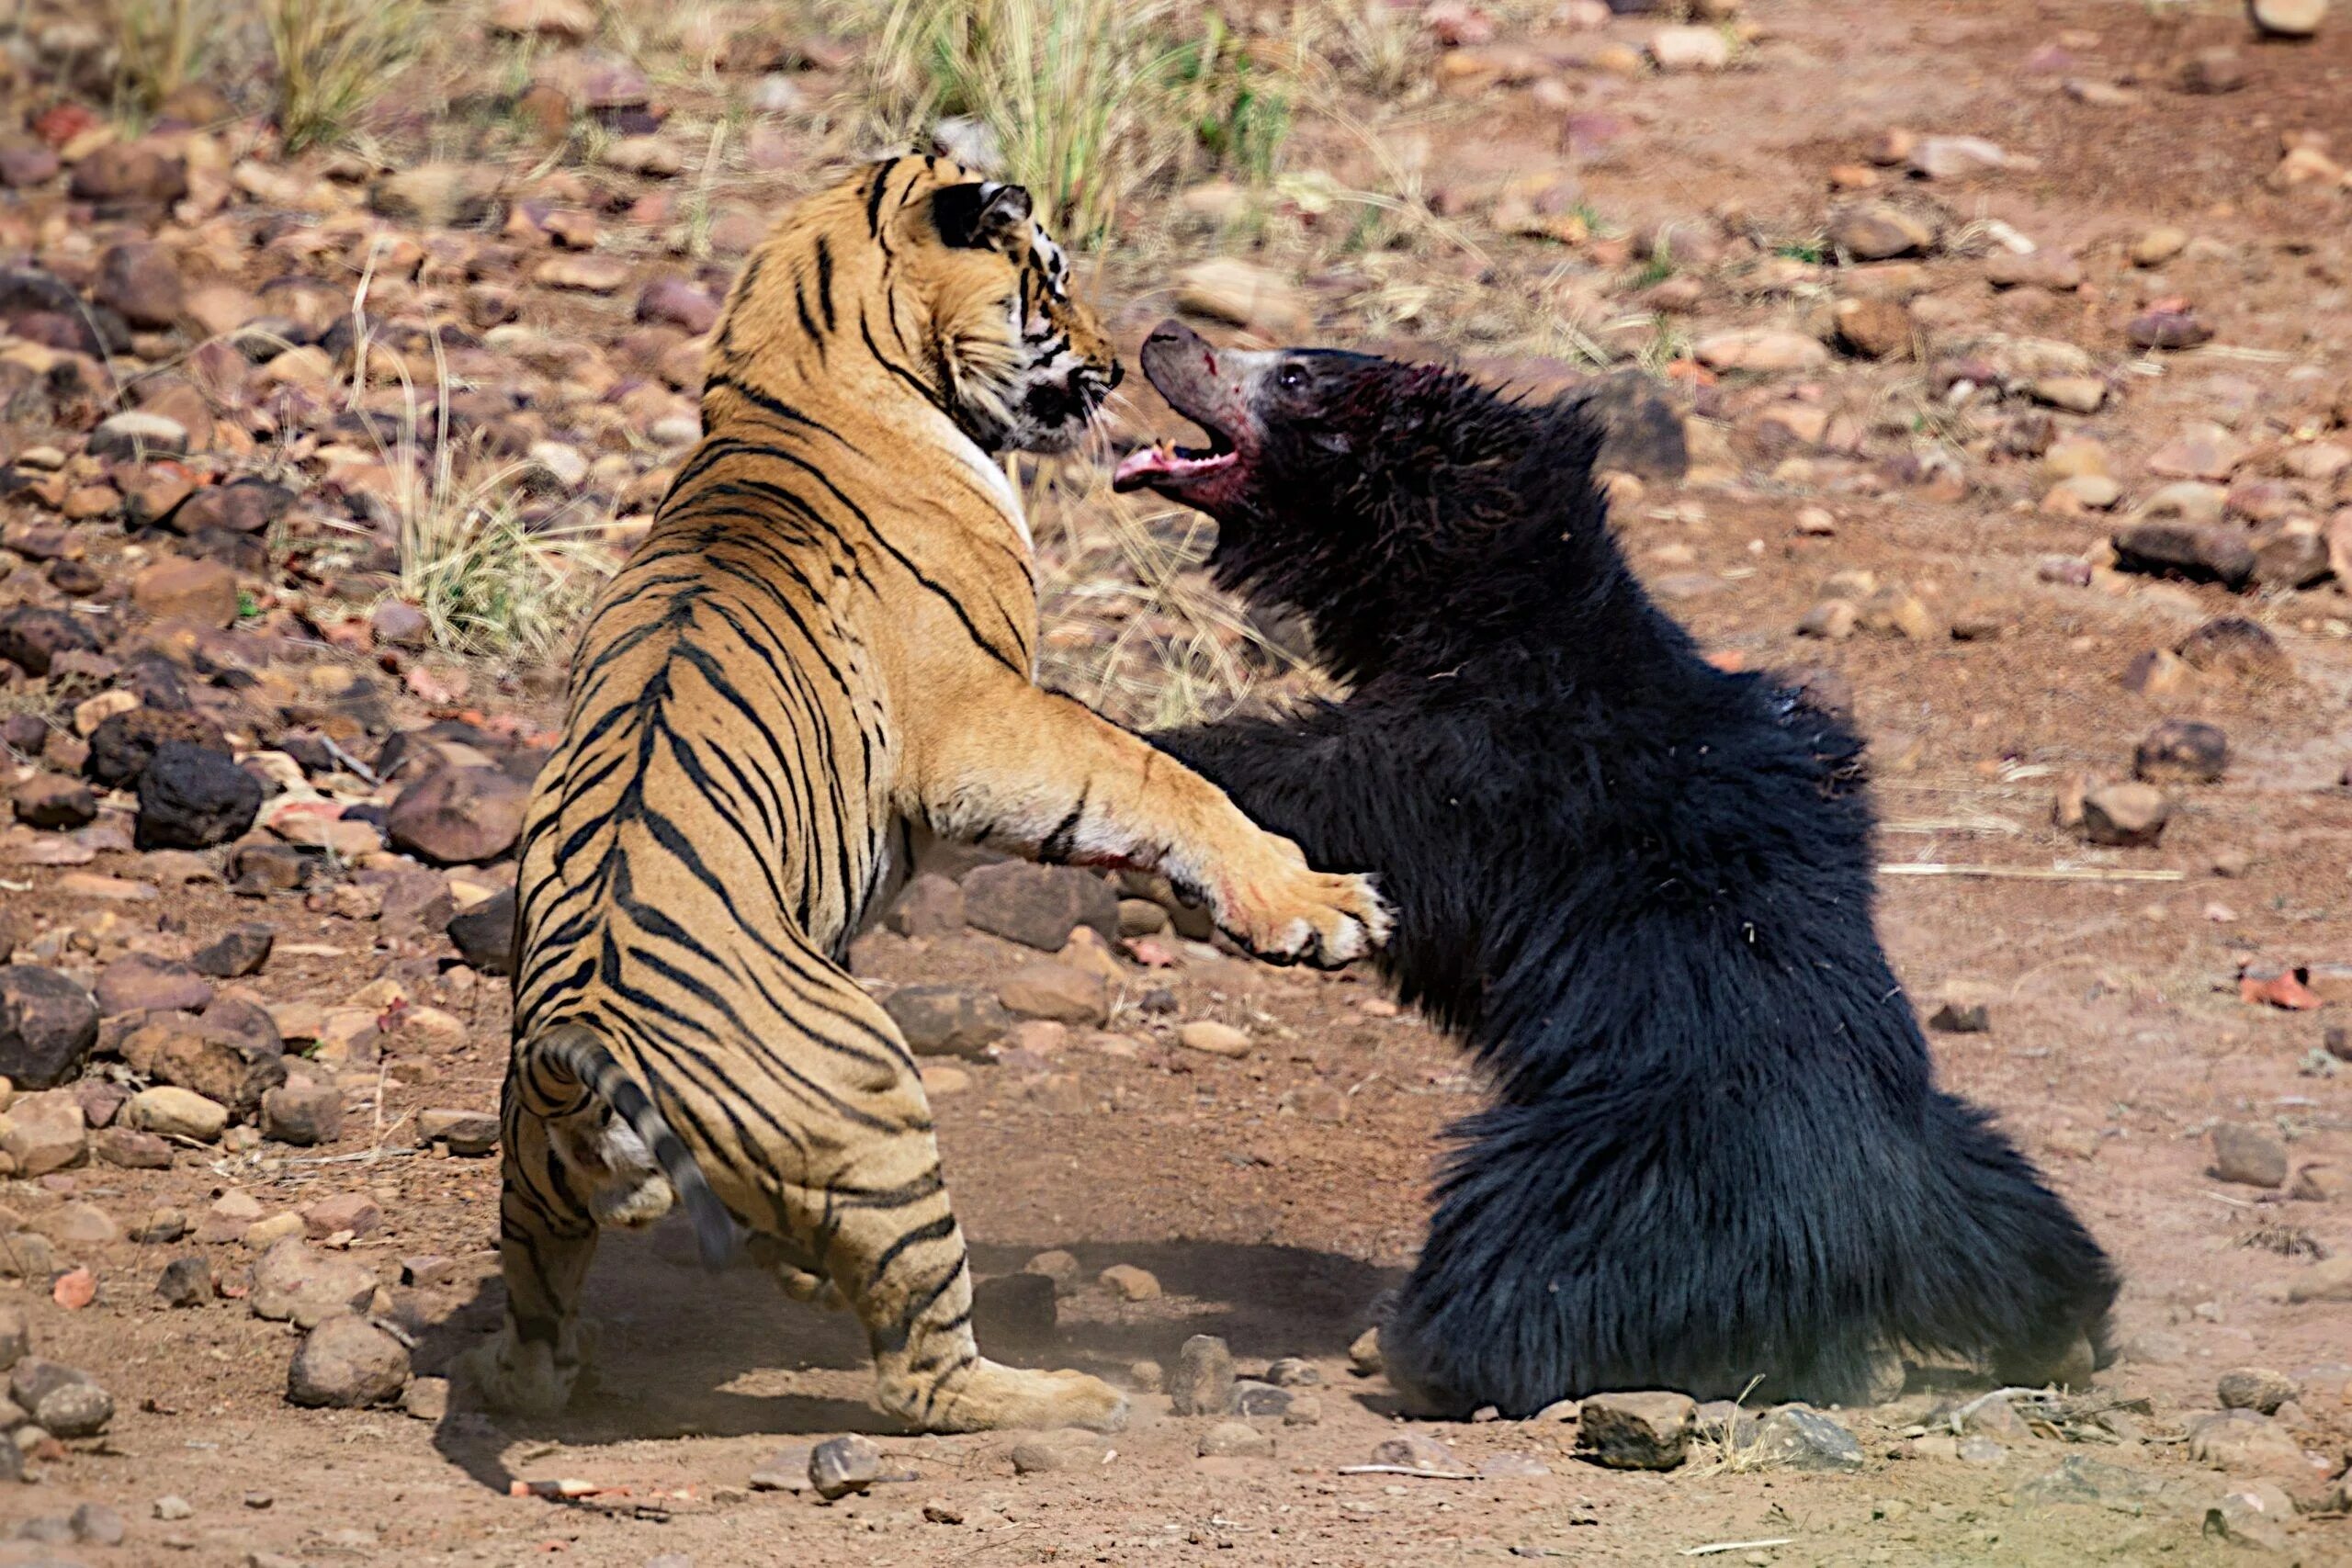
{"points": [[135, 436], [2125, 815], [2248, 1154], [2330, 1280], [248, 506], [1880, 232], [122, 747], [53, 801], [437, 195], [304, 1114], [212, 1056], [471, 1132], [931, 905], [1690, 49], [2208, 554], [187, 1281], [2075, 394], [141, 982], [1245, 294], [75, 1411], [1635, 1431], [2182, 750], [170, 1112], [1129, 1283], [129, 173], [459, 816], [1955, 157], [1060, 992], [353, 1212], [787, 1470], [2167, 330], [292, 1282], [2244, 1442], [1760, 350], [2209, 72], [2232, 645], [425, 1399], [140, 279], [201, 592], [2257, 1389], [347, 1363], [2287, 18], [31, 636], [1875, 328], [1051, 1451], [95, 1524], [484, 933], [1202, 1383], [238, 951], [16, 1334], [47, 1024], [648, 156], [565, 21], [1015, 1309], [1039, 906], [1415, 1450], [674, 301], [1957, 1017], [838, 1466], [584, 274], [75, 1227], [1830, 620], [1215, 1039], [44, 1132], [2053, 270], [947, 1020], [191, 797], [127, 1148], [1235, 1439], [2291, 555]]}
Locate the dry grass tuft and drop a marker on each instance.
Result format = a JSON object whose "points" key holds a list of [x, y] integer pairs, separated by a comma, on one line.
{"points": [[333, 57], [160, 45]]}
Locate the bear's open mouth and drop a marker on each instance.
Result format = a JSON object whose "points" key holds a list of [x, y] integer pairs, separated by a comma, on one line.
{"points": [[1165, 465]]}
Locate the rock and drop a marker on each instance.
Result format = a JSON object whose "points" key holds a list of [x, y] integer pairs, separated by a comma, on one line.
{"points": [[1797, 1437], [170, 1111], [2291, 556], [248, 506], [16, 1336], [354, 1213], [932, 904], [838, 1466], [674, 301], [2232, 645], [1956, 1017], [129, 173], [2182, 750], [2248, 1154], [2257, 1388], [1955, 157], [1015, 1309], [2244, 1442], [347, 1363], [947, 1020], [240, 951], [566, 21], [31, 636], [1246, 294], [2325, 1281], [1875, 328], [140, 279], [44, 1132], [1060, 1269], [1129, 1283], [484, 935], [1202, 1380], [75, 1411], [127, 1148], [1417, 1450], [2252, 1519], [2200, 451], [2167, 330], [1879, 233], [53, 801], [47, 1026], [231, 1066], [136, 434], [1215, 1039], [425, 1399], [1690, 49], [95, 1524], [584, 274], [1051, 1451], [292, 1282], [144, 984], [1235, 1439], [787, 1470], [1039, 906], [122, 747], [304, 1114], [2053, 270], [192, 798], [1830, 620], [2287, 18], [1760, 350], [648, 156], [201, 592], [2125, 815], [465, 1132], [1364, 1354], [187, 1280], [1060, 992], [2209, 72], [459, 816], [2208, 554], [437, 195], [1635, 1431]]}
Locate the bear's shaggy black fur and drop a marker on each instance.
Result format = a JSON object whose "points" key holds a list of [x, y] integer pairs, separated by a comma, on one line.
{"points": [[1639, 889]]}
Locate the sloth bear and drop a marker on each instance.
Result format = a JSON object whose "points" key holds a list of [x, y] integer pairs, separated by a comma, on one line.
{"points": [[1638, 888]]}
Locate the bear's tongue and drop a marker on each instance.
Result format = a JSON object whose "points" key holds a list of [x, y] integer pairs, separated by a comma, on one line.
{"points": [[1166, 465]]}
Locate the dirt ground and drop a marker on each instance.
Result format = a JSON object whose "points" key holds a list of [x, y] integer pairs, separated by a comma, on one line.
{"points": [[1273, 1196]]}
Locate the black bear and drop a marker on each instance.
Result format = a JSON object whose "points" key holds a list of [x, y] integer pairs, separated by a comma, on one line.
{"points": [[1639, 888]]}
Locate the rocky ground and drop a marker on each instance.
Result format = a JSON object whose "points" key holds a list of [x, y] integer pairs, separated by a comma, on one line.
{"points": [[1985, 365]]}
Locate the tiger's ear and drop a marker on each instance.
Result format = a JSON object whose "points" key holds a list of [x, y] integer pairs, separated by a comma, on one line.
{"points": [[983, 214]]}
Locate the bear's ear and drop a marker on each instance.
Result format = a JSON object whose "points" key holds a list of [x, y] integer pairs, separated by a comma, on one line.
{"points": [[980, 215]]}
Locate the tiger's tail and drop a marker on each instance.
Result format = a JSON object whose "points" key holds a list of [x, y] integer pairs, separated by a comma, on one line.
{"points": [[579, 1052]]}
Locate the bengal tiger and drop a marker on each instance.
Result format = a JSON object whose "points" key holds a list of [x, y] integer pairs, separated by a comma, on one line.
{"points": [[823, 647]]}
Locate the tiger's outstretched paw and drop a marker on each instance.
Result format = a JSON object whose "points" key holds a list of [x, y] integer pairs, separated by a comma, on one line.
{"points": [[1297, 915], [990, 1396], [525, 1377]]}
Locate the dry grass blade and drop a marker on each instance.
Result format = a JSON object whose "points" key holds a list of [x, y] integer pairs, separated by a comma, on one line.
{"points": [[333, 57], [158, 46]]}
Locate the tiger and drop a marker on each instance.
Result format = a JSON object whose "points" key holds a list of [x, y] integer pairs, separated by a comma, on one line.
{"points": [[821, 652]]}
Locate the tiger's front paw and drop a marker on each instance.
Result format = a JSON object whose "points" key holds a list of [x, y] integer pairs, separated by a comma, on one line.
{"points": [[1297, 915]]}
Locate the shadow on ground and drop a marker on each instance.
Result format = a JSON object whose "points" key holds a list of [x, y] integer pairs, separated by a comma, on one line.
{"points": [[688, 1353]]}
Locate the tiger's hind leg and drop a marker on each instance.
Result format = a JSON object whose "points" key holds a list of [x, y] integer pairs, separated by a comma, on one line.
{"points": [[547, 1238]]}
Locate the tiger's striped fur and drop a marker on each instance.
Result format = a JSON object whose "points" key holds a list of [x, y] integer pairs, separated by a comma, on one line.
{"points": [[823, 647]]}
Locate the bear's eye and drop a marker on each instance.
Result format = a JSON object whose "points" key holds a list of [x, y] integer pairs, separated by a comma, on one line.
{"points": [[1290, 377]]}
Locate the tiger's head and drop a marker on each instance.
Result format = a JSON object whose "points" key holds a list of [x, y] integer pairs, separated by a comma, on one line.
{"points": [[943, 279]]}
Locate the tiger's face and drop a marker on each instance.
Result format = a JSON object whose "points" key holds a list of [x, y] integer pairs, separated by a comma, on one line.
{"points": [[1026, 366]]}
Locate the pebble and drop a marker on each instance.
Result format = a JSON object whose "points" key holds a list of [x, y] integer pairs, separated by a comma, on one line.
{"points": [[1635, 1431], [1202, 1380], [170, 1111], [1129, 1283], [2182, 750], [1214, 1038], [1798, 1438], [2125, 815], [187, 1281], [304, 1114], [2287, 18], [1760, 350], [47, 1024], [293, 1282], [1039, 906], [1244, 294], [1235, 1439], [1415, 1450], [840, 1466], [1058, 992], [459, 816], [787, 1470], [2249, 1156], [1876, 231], [2257, 1389], [191, 797], [2155, 246], [347, 1362], [948, 1020], [1690, 49], [469, 1133]]}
